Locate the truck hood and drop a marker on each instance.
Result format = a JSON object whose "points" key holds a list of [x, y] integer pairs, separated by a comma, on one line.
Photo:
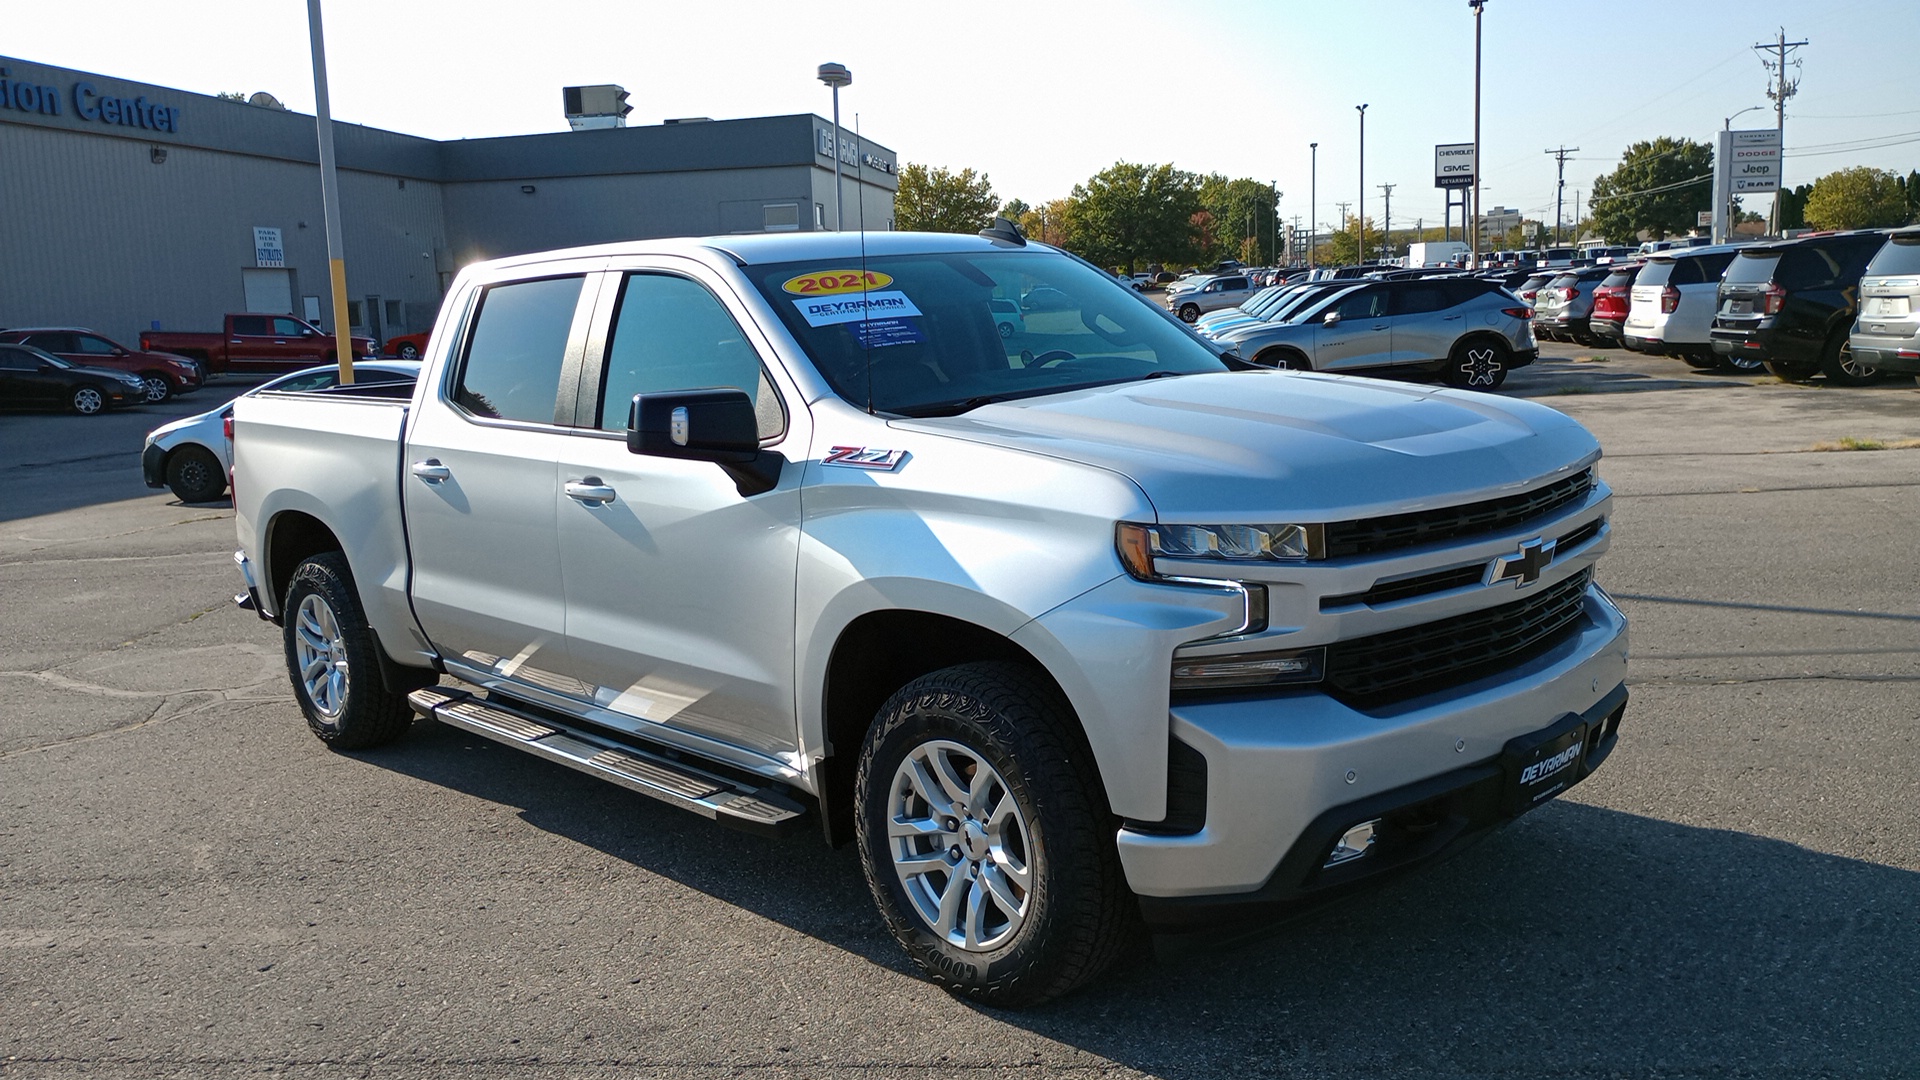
{"points": [[1247, 447]]}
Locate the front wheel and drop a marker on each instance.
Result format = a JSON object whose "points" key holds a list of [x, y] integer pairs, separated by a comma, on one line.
{"points": [[158, 388], [410, 351], [986, 838], [331, 659], [1480, 364], [88, 400], [1189, 313], [1792, 373], [193, 474]]}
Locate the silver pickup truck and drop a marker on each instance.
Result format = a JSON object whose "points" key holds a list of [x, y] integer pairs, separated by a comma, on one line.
{"points": [[1072, 631]]}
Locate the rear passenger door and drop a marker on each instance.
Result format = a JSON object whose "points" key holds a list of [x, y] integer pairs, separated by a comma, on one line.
{"points": [[479, 481], [680, 590], [1425, 322]]}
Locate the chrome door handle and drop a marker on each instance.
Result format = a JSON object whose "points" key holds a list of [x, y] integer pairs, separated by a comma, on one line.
{"points": [[590, 490], [432, 471]]}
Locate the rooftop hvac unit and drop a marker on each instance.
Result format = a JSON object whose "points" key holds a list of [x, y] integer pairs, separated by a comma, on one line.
{"points": [[600, 106]]}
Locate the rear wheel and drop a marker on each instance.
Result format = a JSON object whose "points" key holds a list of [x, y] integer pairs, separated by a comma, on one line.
{"points": [[158, 388], [1839, 366], [410, 351], [1793, 373], [88, 400], [1478, 364], [986, 838], [193, 474], [1740, 363], [332, 662]]}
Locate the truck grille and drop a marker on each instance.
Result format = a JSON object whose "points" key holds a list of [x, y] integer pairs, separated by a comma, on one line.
{"points": [[1421, 659], [1370, 535]]}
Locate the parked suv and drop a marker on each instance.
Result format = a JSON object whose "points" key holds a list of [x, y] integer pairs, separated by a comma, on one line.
{"points": [[1225, 291], [1472, 332], [1610, 302], [1563, 308], [1887, 334], [164, 373], [1672, 305], [1791, 304]]}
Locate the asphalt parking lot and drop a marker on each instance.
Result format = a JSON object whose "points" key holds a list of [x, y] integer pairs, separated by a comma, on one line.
{"points": [[191, 886]]}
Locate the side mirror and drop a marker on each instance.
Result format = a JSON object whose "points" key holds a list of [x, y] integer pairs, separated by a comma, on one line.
{"points": [[309, 332], [1332, 318], [716, 425], [45, 366], [118, 351]]}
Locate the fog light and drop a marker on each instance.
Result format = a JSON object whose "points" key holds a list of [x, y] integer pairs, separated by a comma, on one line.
{"points": [[1355, 843], [1243, 670]]}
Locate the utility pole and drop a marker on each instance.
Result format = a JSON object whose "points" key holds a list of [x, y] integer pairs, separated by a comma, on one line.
{"points": [[1360, 222], [1780, 92], [1473, 231], [330, 199], [1560, 189], [1348, 222], [1386, 233], [1313, 200]]}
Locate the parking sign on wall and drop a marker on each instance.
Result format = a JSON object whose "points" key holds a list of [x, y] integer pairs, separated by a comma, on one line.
{"points": [[266, 247]]}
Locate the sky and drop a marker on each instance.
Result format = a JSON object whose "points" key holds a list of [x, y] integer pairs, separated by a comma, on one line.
{"points": [[1043, 94]]}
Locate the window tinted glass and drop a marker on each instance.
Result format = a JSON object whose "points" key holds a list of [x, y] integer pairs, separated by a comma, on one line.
{"points": [[519, 342], [94, 346], [314, 380], [1755, 269], [1419, 298], [288, 327], [55, 343], [255, 325], [1807, 268], [1901, 256], [1712, 266], [17, 360], [1617, 279], [672, 334], [1656, 272], [1365, 304]]}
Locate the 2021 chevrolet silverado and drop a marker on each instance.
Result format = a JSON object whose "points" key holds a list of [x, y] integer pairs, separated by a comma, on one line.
{"points": [[1070, 629]]}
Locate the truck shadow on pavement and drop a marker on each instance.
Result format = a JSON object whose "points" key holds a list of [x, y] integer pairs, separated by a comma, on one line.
{"points": [[1579, 941]]}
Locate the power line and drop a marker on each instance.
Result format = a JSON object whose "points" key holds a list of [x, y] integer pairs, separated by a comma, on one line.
{"points": [[1560, 186], [1591, 199], [1779, 93]]}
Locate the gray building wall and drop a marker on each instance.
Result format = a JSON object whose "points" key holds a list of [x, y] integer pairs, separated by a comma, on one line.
{"points": [[120, 227]]}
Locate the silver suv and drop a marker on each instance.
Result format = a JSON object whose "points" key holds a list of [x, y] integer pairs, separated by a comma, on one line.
{"points": [[1225, 291], [1887, 333], [1471, 332]]}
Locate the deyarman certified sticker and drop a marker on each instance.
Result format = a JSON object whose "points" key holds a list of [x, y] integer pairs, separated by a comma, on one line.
{"points": [[826, 311]]}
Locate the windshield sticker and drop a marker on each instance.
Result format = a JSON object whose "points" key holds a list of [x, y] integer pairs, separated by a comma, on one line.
{"points": [[831, 282], [881, 333], [825, 312], [864, 457]]}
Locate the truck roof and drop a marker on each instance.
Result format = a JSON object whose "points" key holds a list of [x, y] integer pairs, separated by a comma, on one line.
{"points": [[758, 248]]}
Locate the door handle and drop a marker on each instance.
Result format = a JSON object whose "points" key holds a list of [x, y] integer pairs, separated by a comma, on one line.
{"points": [[590, 489], [1451, 318], [432, 471]]}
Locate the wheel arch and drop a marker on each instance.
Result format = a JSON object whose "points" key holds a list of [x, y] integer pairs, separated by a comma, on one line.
{"points": [[1289, 353], [293, 536], [876, 654]]}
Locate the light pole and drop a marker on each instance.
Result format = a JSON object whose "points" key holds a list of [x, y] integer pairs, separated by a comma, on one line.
{"points": [[1313, 199], [836, 76], [1273, 192], [1473, 238], [1360, 219]]}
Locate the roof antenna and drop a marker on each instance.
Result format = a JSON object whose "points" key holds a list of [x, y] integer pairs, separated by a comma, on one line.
{"points": [[866, 313], [1004, 231]]}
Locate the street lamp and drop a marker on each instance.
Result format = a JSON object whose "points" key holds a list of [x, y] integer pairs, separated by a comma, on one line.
{"points": [[1313, 199], [836, 76], [1729, 124], [1360, 219], [1478, 7]]}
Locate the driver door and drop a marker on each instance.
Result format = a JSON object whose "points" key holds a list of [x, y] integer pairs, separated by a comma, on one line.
{"points": [[1361, 337]]}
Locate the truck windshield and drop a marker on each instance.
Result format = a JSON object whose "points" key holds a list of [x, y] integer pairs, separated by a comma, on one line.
{"points": [[940, 334]]}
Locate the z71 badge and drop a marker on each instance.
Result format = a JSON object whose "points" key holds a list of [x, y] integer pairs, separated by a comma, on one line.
{"points": [[863, 457]]}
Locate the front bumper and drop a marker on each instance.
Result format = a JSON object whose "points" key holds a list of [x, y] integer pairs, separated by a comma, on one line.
{"points": [[153, 465], [1280, 769]]}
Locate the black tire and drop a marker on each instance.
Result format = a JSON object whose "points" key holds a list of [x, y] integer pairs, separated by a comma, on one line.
{"points": [[1738, 362], [410, 351], [159, 388], [1706, 361], [1793, 373], [1478, 364], [1077, 915], [87, 400], [1838, 365], [194, 475], [323, 619], [1189, 313], [1284, 360]]}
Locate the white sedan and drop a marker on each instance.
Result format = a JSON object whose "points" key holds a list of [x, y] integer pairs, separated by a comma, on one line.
{"points": [[190, 455]]}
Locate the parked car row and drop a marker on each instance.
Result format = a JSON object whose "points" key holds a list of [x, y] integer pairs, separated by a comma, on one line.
{"points": [[161, 374]]}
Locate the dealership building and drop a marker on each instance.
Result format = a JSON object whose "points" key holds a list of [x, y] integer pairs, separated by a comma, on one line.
{"points": [[126, 206]]}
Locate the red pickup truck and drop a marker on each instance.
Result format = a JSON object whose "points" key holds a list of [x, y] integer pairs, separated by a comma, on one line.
{"points": [[255, 343]]}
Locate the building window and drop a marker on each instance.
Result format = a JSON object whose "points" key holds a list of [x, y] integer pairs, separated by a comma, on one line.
{"points": [[783, 217], [820, 217], [356, 315], [394, 315]]}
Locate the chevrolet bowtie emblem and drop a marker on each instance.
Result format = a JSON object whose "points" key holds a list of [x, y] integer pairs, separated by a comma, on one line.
{"points": [[1534, 556]]}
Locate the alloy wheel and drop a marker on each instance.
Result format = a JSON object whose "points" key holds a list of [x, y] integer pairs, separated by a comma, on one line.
{"points": [[960, 846], [321, 654]]}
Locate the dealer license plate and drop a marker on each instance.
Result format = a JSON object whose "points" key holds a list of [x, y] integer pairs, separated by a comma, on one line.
{"points": [[1544, 764]]}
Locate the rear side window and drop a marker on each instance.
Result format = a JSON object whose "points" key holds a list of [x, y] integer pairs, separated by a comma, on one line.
{"points": [[1686, 272], [672, 334], [250, 325], [1712, 266], [1656, 272], [1618, 279], [53, 343], [1900, 255], [1419, 299], [519, 343], [1807, 268]]}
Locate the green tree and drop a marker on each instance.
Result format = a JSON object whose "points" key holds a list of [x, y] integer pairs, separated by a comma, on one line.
{"points": [[1857, 198], [1338, 248], [1014, 209], [1660, 187], [937, 200], [1238, 220], [1793, 206], [1127, 214]]}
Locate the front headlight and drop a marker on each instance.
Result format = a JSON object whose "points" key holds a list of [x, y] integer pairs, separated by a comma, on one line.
{"points": [[1139, 545]]}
